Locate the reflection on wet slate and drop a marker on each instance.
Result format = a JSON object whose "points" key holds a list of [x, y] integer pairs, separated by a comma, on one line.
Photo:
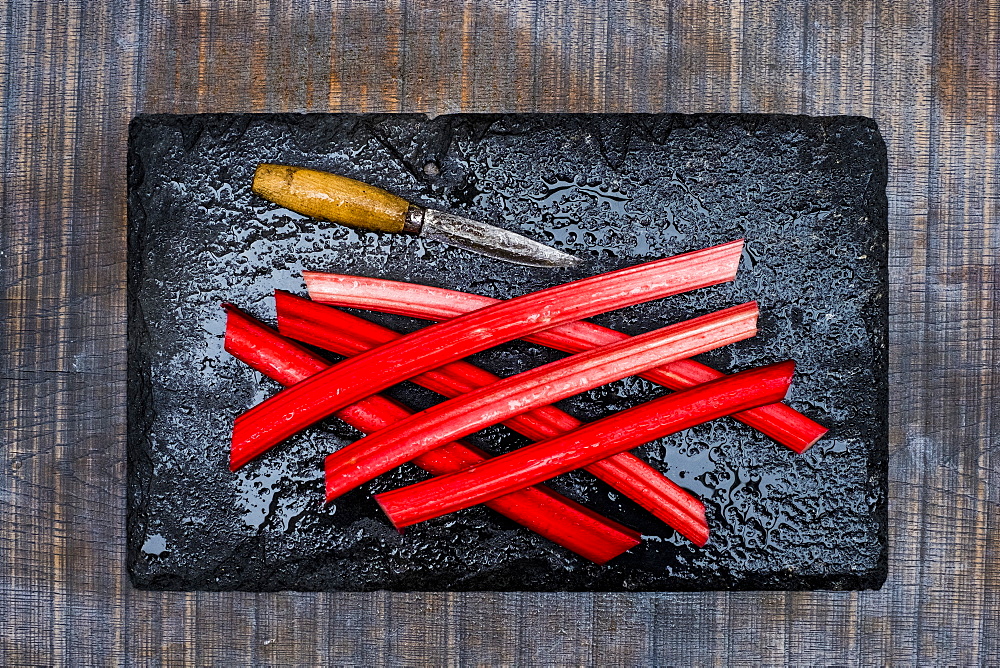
{"points": [[806, 193]]}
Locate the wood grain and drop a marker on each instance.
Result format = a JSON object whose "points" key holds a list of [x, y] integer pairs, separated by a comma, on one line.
{"points": [[73, 73]]}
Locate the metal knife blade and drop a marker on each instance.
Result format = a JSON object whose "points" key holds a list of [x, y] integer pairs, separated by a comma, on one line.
{"points": [[485, 239]]}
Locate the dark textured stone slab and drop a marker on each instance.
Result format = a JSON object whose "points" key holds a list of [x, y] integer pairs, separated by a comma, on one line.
{"points": [[806, 193]]}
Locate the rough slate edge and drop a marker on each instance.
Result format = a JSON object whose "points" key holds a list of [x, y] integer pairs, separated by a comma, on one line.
{"points": [[140, 415]]}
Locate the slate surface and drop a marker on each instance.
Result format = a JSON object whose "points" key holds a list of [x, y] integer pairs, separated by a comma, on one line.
{"points": [[806, 193]]}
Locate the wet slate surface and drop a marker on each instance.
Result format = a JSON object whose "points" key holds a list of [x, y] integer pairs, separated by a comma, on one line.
{"points": [[806, 193]]}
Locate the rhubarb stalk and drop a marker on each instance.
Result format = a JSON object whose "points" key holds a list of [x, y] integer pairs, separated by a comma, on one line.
{"points": [[349, 335], [538, 508], [319, 396], [373, 455], [778, 421], [622, 431]]}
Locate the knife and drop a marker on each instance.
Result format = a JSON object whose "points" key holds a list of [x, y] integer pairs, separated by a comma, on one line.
{"points": [[342, 200]]}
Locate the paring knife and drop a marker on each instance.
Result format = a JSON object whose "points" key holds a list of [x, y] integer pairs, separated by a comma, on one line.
{"points": [[342, 200]]}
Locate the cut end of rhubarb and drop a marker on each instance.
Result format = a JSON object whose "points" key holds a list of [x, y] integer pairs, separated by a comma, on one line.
{"points": [[819, 433], [234, 325], [283, 300], [735, 248], [692, 522], [699, 539], [239, 456], [731, 254], [698, 532], [388, 514], [694, 526], [401, 530], [786, 370], [240, 451]]}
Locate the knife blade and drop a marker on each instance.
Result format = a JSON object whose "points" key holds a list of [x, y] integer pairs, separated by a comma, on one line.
{"points": [[350, 202]]}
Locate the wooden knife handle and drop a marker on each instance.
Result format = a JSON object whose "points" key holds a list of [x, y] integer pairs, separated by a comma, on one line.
{"points": [[331, 197]]}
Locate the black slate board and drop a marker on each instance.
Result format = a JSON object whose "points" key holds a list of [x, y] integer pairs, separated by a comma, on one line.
{"points": [[806, 193]]}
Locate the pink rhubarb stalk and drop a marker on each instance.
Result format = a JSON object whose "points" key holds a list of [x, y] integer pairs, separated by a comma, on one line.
{"points": [[319, 396], [373, 455], [538, 508], [348, 335], [622, 431], [778, 421]]}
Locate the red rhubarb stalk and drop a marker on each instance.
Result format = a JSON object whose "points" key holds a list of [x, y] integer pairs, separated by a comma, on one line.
{"points": [[319, 396], [349, 335], [778, 421], [622, 431], [538, 508], [373, 455]]}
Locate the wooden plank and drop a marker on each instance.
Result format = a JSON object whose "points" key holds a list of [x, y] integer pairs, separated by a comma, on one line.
{"points": [[72, 74], [904, 104], [962, 258], [63, 266]]}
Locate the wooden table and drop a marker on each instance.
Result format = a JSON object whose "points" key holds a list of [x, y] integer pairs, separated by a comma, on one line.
{"points": [[73, 73]]}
